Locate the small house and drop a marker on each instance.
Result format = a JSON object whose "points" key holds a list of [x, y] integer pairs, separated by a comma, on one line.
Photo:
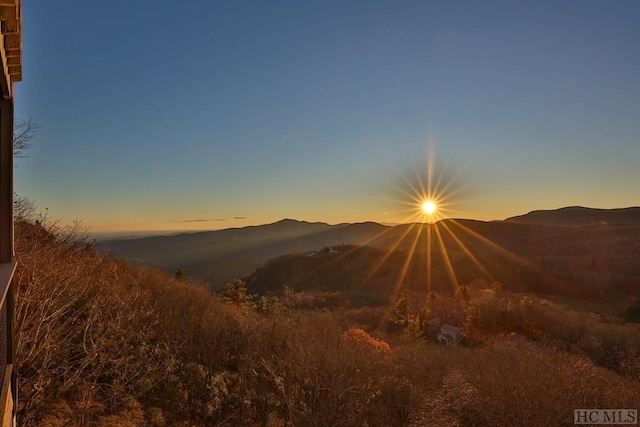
{"points": [[450, 334]]}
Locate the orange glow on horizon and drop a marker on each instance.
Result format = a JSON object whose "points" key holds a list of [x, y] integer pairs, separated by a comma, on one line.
{"points": [[432, 235]]}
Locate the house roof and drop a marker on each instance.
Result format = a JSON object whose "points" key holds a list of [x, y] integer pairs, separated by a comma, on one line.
{"points": [[450, 330], [10, 44]]}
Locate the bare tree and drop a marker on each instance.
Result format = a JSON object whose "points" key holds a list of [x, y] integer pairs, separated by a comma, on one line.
{"points": [[24, 209], [23, 132]]}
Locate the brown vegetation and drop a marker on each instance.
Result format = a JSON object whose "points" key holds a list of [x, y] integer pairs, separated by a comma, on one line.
{"points": [[104, 343], [592, 257], [613, 345]]}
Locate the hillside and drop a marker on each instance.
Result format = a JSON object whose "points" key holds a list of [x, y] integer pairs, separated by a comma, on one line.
{"points": [[588, 263], [591, 262], [101, 342], [215, 257], [580, 216]]}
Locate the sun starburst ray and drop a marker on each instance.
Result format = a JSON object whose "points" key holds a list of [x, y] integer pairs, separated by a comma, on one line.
{"points": [[429, 197], [406, 263], [422, 189], [446, 259], [388, 253], [513, 257], [466, 250], [354, 249], [429, 266]]}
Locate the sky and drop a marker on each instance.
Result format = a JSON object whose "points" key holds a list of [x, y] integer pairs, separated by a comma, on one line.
{"points": [[164, 115]]}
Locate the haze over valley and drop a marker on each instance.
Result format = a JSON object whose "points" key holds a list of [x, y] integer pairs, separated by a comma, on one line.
{"points": [[574, 252]]}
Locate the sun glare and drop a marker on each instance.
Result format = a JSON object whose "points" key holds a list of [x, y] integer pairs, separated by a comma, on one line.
{"points": [[429, 207], [432, 245]]}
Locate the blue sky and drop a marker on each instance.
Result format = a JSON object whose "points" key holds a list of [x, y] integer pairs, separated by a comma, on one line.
{"points": [[155, 114]]}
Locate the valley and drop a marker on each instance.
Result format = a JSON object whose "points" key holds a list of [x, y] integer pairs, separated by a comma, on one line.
{"points": [[575, 253]]}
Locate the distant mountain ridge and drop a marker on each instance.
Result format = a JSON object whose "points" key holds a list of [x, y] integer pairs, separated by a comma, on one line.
{"points": [[216, 257], [580, 216]]}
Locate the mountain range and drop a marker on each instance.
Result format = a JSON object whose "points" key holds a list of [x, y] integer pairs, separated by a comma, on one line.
{"points": [[554, 251], [580, 216]]}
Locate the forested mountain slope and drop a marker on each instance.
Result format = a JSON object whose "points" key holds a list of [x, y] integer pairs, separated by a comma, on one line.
{"points": [[596, 260], [104, 343]]}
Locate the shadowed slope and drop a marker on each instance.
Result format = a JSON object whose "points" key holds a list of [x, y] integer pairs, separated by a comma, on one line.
{"points": [[524, 251]]}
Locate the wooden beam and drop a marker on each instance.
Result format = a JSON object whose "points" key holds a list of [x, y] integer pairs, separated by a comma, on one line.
{"points": [[8, 12], [7, 270], [5, 80], [6, 398], [11, 26], [12, 41], [6, 180]]}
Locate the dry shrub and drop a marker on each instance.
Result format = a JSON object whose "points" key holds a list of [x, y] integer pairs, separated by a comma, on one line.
{"points": [[363, 342], [104, 343], [82, 331], [615, 346], [511, 383], [106, 339]]}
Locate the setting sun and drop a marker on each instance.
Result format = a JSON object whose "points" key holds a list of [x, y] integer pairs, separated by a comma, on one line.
{"points": [[429, 207]]}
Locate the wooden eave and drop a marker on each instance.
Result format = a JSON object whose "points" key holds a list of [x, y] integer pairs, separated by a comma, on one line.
{"points": [[10, 45]]}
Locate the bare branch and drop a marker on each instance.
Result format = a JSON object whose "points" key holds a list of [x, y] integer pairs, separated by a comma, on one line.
{"points": [[23, 132]]}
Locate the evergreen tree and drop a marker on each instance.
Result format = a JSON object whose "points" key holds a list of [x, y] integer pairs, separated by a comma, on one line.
{"points": [[181, 275], [236, 293], [413, 331], [402, 307]]}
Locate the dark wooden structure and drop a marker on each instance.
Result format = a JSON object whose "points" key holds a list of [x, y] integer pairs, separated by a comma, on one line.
{"points": [[11, 58]]}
